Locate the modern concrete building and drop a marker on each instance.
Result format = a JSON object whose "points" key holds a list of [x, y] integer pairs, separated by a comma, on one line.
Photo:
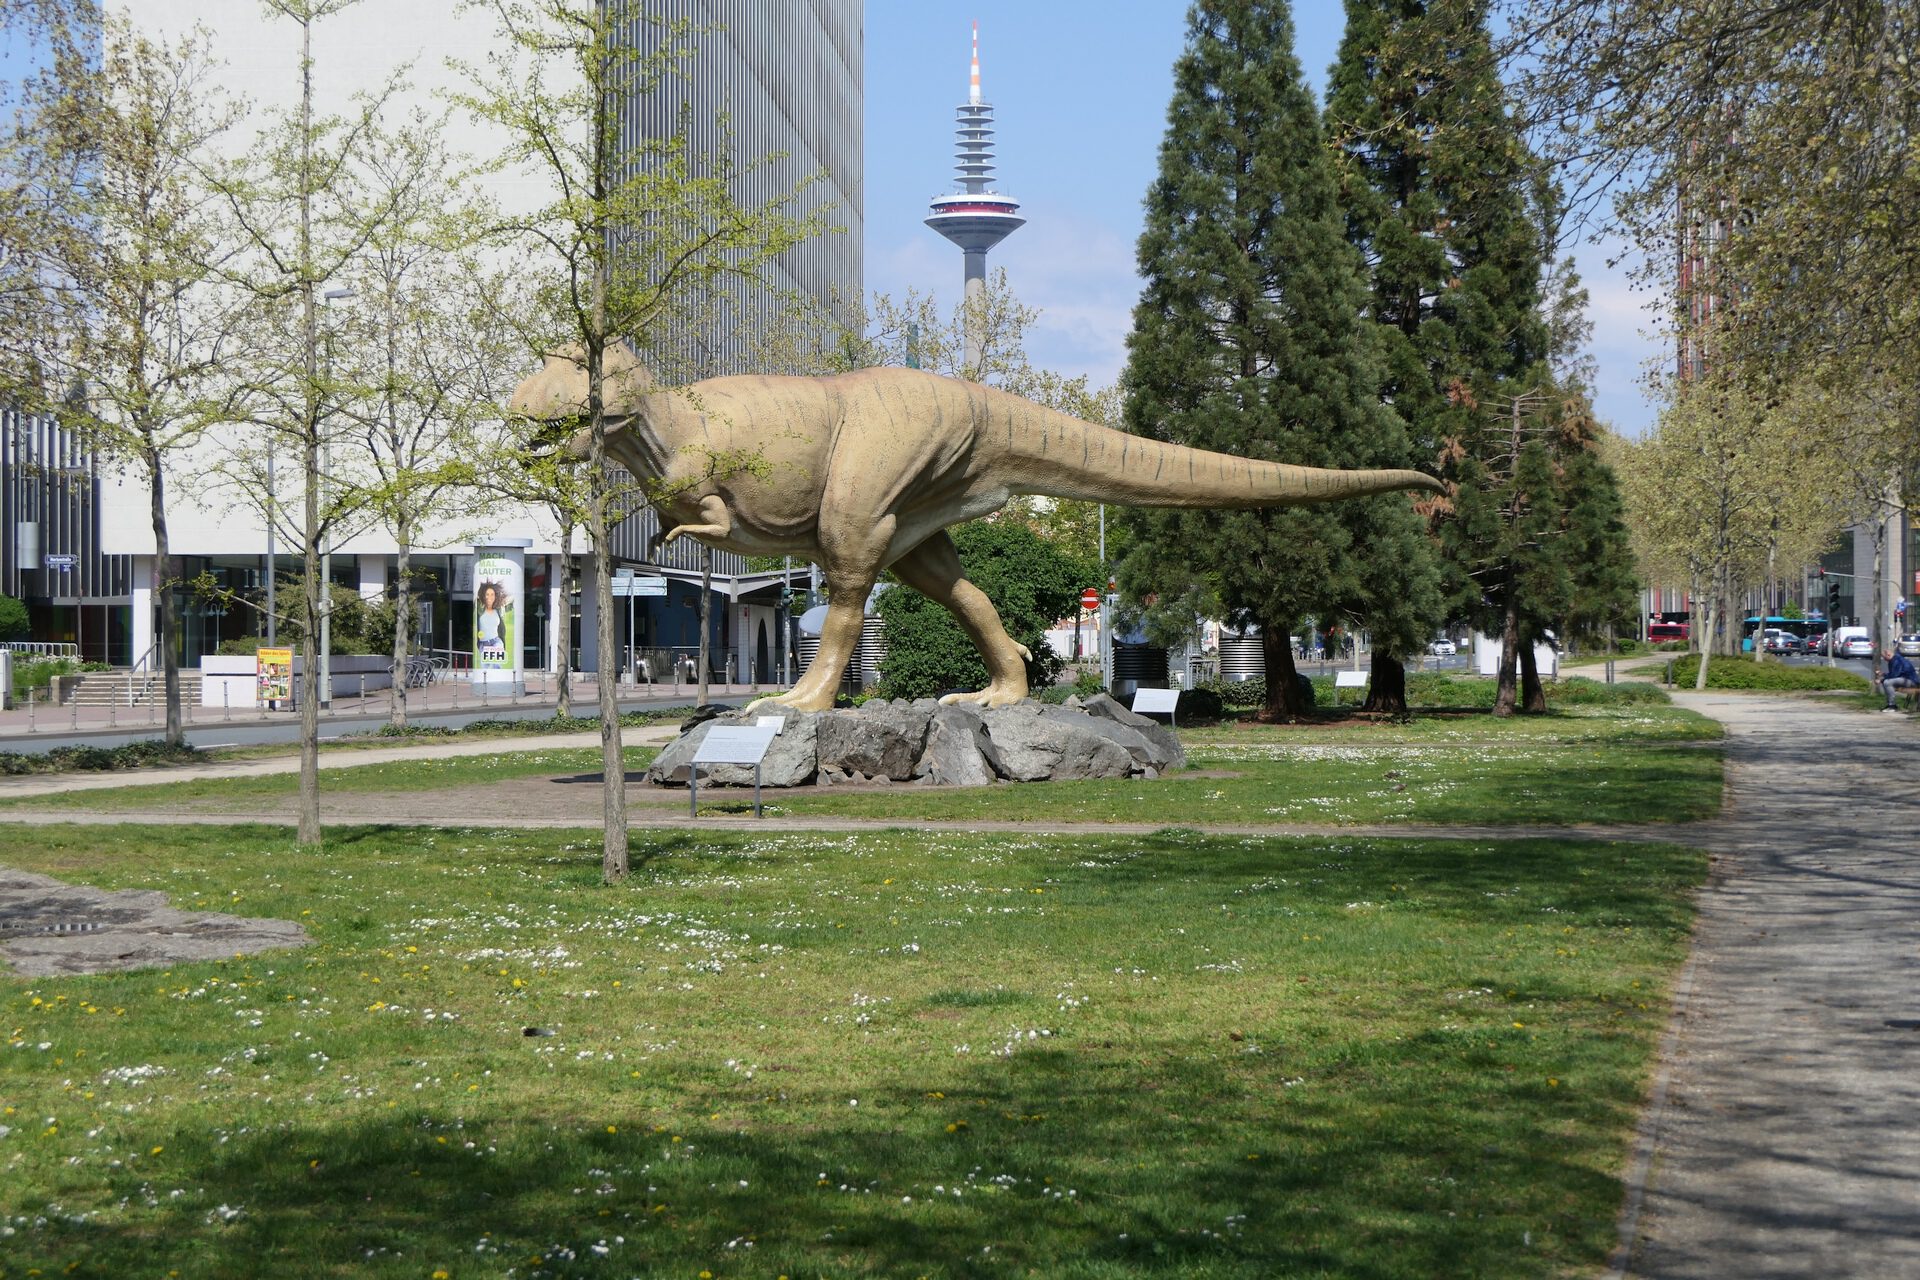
{"points": [[51, 554], [788, 73]]}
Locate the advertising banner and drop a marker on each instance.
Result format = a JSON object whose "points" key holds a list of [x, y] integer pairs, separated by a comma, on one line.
{"points": [[499, 613], [273, 668]]}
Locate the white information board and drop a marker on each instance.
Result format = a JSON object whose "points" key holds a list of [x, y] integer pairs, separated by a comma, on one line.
{"points": [[734, 744], [1151, 701], [775, 723], [1349, 679]]}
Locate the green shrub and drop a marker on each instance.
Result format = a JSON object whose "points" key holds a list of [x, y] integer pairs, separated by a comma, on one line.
{"points": [[1239, 695], [1579, 691], [38, 673], [1199, 705], [97, 759], [14, 622], [1745, 673]]}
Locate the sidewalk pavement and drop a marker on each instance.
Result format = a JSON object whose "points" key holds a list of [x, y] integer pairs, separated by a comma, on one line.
{"points": [[20, 725], [1784, 1135], [43, 784]]}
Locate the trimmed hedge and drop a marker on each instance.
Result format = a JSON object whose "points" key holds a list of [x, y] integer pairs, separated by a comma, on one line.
{"points": [[1745, 673]]}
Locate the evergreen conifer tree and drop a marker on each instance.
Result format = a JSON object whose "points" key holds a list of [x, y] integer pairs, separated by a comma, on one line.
{"points": [[1446, 202], [1249, 339]]}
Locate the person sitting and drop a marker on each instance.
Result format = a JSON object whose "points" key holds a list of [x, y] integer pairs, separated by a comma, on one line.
{"points": [[1899, 674]]}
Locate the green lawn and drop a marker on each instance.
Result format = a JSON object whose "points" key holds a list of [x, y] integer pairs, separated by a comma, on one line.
{"points": [[1652, 763], [424, 774], [885, 1054]]}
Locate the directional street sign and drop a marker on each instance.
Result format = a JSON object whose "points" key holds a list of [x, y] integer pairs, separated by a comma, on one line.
{"points": [[639, 586], [59, 561]]}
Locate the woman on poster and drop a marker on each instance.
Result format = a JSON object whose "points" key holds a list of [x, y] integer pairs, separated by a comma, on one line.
{"points": [[492, 626]]}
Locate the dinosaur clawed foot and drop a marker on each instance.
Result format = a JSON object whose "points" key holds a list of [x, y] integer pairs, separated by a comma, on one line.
{"points": [[793, 700], [994, 695]]}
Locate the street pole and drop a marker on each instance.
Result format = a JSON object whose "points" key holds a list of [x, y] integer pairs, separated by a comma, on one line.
{"points": [[1106, 606], [272, 609]]}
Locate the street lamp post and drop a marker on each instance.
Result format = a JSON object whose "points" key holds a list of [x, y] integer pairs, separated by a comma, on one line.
{"points": [[326, 538]]}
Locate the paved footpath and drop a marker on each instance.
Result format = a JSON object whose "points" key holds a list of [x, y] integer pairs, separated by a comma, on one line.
{"points": [[1784, 1137]]}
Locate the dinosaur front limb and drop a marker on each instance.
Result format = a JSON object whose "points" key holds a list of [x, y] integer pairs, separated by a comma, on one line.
{"points": [[933, 569], [719, 522]]}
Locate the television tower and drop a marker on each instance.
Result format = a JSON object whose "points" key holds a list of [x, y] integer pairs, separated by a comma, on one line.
{"points": [[974, 217]]}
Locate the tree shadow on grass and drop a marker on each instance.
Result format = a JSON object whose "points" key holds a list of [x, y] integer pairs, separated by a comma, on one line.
{"points": [[1076, 1161]]}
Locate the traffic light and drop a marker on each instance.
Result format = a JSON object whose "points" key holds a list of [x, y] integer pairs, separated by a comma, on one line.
{"points": [[1833, 600]]}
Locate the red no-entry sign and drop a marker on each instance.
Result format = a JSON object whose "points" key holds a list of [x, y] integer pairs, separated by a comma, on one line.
{"points": [[1090, 599]]}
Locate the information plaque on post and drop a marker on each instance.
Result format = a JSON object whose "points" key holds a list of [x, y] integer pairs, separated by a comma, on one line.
{"points": [[729, 744], [1148, 702]]}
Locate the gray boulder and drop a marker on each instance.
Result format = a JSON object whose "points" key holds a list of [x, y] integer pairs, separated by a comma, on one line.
{"points": [[958, 752], [878, 739], [1169, 753], [791, 761], [1142, 750], [1039, 748]]}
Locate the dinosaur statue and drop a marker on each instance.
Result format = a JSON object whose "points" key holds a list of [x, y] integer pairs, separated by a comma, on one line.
{"points": [[862, 472]]}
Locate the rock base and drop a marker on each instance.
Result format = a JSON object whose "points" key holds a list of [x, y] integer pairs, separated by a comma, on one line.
{"points": [[954, 746]]}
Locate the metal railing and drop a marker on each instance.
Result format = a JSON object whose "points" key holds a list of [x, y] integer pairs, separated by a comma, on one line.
{"points": [[44, 648]]}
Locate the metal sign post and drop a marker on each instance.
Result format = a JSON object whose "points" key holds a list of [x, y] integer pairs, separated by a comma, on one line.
{"points": [[730, 744]]}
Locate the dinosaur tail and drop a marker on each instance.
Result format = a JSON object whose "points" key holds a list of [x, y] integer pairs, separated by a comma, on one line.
{"points": [[1064, 457]]}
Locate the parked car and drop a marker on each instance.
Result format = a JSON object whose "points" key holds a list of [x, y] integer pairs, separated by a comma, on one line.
{"points": [[1910, 644], [1852, 642], [1442, 648]]}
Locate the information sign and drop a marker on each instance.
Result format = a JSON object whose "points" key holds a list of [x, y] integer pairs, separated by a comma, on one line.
{"points": [[58, 561], [729, 744], [1148, 702]]}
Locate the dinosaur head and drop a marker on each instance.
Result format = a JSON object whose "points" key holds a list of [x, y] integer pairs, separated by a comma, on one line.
{"points": [[557, 394]]}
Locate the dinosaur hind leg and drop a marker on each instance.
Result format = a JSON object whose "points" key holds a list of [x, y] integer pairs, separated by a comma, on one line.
{"points": [[933, 569], [815, 689], [852, 566]]}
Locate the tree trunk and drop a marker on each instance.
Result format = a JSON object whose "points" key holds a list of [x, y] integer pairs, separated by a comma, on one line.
{"points": [[1712, 621], [1284, 700], [1387, 689], [1533, 697], [311, 587], [169, 622], [309, 834], [402, 619], [563, 640], [1504, 697]]}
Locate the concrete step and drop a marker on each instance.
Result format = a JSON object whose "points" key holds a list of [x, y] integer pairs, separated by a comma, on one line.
{"points": [[124, 688]]}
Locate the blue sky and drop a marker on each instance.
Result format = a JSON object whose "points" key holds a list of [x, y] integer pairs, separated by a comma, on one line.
{"points": [[1080, 90]]}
